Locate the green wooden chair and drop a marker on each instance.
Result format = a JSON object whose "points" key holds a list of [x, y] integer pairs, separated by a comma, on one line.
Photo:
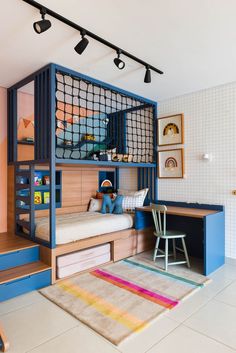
{"points": [[162, 233]]}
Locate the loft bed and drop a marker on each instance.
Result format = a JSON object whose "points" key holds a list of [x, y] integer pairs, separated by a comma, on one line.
{"points": [[82, 132]]}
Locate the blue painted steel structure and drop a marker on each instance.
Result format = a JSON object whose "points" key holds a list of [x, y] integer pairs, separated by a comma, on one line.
{"points": [[45, 144]]}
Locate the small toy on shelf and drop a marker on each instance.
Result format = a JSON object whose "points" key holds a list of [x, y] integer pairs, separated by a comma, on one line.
{"points": [[88, 137], [46, 180]]}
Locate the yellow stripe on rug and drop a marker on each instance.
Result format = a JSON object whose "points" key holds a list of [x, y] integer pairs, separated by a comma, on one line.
{"points": [[102, 306]]}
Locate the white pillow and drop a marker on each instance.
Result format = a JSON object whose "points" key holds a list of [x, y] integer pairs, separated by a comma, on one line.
{"points": [[130, 202], [95, 205], [142, 193]]}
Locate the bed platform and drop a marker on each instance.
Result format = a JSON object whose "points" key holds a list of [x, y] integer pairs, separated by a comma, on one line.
{"points": [[81, 132]]}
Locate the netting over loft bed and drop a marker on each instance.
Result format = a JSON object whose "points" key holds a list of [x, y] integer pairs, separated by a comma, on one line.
{"points": [[97, 123]]}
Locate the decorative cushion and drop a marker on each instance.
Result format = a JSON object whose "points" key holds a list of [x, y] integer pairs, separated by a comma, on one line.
{"points": [[95, 205], [117, 203], [130, 202], [109, 206], [140, 194]]}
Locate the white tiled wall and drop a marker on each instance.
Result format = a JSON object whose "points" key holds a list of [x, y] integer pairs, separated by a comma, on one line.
{"points": [[128, 179], [210, 127]]}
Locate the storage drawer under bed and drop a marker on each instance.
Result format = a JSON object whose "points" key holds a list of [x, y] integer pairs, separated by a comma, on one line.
{"points": [[83, 260]]}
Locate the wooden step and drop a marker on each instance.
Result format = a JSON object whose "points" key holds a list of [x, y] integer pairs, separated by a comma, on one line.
{"points": [[22, 271], [10, 243]]}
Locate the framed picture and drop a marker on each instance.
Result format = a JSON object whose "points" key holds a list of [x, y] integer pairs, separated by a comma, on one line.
{"points": [[171, 130], [171, 163]]}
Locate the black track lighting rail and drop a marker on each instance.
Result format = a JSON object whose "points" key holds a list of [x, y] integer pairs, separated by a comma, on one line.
{"points": [[90, 34]]}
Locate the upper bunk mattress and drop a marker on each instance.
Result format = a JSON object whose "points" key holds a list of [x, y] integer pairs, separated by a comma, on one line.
{"points": [[77, 226]]}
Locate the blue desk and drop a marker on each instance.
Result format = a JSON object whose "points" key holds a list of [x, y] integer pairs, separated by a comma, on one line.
{"points": [[203, 224]]}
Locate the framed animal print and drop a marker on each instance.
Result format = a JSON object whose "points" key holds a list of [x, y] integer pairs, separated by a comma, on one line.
{"points": [[171, 130], [171, 163]]}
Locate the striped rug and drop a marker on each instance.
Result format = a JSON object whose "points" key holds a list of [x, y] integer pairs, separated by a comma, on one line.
{"points": [[125, 297]]}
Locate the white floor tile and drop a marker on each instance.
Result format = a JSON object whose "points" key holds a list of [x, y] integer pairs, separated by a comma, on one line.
{"points": [[228, 295], [227, 271], [32, 325], [20, 302], [142, 341], [185, 340], [218, 283], [216, 320], [77, 340], [188, 306]]}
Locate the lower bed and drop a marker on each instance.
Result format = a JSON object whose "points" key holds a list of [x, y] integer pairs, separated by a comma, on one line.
{"points": [[77, 226]]}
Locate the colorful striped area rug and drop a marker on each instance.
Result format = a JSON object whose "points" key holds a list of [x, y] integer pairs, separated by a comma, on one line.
{"points": [[123, 298]]}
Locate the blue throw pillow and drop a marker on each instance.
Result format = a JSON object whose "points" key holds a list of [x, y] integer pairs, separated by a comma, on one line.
{"points": [[117, 203], [109, 206]]}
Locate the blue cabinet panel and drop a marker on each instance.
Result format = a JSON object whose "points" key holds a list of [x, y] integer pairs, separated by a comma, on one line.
{"points": [[214, 241], [18, 258], [24, 285]]}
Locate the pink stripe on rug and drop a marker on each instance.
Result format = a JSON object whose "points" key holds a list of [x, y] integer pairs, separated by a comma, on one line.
{"points": [[135, 287]]}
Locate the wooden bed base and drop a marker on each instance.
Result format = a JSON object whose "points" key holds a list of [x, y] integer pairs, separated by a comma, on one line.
{"points": [[124, 244]]}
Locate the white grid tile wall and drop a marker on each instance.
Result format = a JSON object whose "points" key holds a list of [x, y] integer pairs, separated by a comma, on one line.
{"points": [[210, 127], [128, 179]]}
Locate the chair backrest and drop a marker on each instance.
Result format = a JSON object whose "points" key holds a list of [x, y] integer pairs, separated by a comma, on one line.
{"points": [[156, 214]]}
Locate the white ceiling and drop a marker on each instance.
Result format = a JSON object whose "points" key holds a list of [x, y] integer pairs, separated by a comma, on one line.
{"points": [[192, 41]]}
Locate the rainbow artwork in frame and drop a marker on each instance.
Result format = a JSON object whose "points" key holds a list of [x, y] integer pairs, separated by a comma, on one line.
{"points": [[171, 163]]}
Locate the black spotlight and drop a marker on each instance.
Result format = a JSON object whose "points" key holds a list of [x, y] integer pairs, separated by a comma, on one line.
{"points": [[43, 25], [118, 62], [81, 46], [147, 77]]}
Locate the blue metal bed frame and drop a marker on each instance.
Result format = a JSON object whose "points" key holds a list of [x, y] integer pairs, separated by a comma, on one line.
{"points": [[45, 146]]}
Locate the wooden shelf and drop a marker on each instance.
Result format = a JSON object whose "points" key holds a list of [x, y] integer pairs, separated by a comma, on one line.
{"points": [[22, 271], [25, 143], [10, 243]]}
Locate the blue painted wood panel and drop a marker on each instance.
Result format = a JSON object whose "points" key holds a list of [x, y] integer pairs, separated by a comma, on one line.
{"points": [[18, 258], [23, 285], [214, 242]]}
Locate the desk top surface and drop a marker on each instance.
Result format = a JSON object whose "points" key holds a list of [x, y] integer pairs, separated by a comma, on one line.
{"points": [[182, 211]]}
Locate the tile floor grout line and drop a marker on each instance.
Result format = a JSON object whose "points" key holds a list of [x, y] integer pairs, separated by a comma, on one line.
{"points": [[162, 338], [224, 288], [51, 339], [212, 338], [20, 308]]}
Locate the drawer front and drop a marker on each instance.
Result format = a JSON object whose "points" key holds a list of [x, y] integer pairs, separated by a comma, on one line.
{"points": [[145, 240], [18, 258], [23, 285], [82, 266], [124, 248], [83, 255]]}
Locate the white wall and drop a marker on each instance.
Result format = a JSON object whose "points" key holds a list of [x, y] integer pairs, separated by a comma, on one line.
{"points": [[210, 127]]}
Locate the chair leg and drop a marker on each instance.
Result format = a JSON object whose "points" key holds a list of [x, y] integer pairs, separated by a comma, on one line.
{"points": [[185, 253], [156, 249], [174, 249], [166, 255]]}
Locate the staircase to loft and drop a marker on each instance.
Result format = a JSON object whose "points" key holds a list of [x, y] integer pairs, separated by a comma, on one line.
{"points": [[21, 269]]}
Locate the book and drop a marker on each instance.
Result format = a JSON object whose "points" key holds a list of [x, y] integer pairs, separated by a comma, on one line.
{"points": [[37, 197], [46, 197]]}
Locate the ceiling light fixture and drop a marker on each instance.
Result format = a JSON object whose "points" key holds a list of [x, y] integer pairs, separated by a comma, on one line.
{"points": [[82, 45], [147, 77], [118, 62], [43, 25]]}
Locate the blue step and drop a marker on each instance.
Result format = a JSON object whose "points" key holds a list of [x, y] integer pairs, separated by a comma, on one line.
{"points": [[22, 279], [19, 257]]}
